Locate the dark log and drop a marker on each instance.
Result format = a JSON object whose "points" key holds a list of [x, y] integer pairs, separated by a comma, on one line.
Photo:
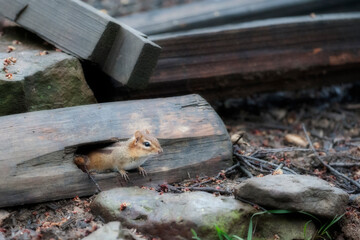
{"points": [[214, 12], [262, 56], [75, 27], [37, 148]]}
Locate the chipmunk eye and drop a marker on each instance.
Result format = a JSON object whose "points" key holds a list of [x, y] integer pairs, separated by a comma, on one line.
{"points": [[147, 144]]}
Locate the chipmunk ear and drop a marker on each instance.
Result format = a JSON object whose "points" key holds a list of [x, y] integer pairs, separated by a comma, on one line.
{"points": [[137, 135], [147, 131]]}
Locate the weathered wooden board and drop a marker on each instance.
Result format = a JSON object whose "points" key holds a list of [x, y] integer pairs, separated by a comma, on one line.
{"points": [[214, 12], [36, 160], [238, 60], [77, 28]]}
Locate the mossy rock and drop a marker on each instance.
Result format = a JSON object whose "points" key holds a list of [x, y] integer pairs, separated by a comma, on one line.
{"points": [[39, 81], [172, 216]]}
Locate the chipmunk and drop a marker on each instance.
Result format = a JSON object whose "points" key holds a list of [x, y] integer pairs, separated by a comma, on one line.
{"points": [[121, 156]]}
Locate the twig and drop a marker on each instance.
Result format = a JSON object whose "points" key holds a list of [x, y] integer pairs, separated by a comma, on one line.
{"points": [[240, 137], [52, 206], [352, 145], [204, 189], [251, 203], [92, 179], [288, 149], [331, 169], [342, 164], [218, 176], [232, 167], [207, 181], [250, 165], [67, 223], [208, 189], [268, 163], [280, 166], [269, 126], [173, 189], [247, 172], [352, 158]]}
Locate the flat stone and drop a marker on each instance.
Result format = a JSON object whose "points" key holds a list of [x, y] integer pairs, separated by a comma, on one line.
{"points": [[39, 81], [172, 216], [113, 231], [294, 192]]}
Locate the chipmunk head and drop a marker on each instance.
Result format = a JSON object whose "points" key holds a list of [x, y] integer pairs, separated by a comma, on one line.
{"points": [[145, 144]]}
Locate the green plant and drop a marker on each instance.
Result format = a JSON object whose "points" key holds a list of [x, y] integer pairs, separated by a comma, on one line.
{"points": [[322, 233], [221, 234], [305, 227], [250, 229], [195, 236]]}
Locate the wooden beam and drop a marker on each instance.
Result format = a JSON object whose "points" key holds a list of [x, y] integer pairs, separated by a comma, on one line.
{"points": [[209, 13], [75, 27], [37, 150], [270, 55]]}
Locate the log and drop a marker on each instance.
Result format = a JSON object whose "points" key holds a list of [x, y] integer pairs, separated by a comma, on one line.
{"points": [[37, 150], [75, 27], [209, 13], [262, 56]]}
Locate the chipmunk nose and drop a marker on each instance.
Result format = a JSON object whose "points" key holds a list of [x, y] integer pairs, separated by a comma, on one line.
{"points": [[160, 150]]}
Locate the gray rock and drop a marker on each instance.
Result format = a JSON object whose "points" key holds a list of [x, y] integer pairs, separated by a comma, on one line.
{"points": [[294, 192], [113, 231], [3, 216], [172, 216], [286, 226], [40, 82]]}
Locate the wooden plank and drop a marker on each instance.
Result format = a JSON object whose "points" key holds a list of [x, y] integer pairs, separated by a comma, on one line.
{"points": [[36, 161], [75, 27], [270, 55], [209, 13]]}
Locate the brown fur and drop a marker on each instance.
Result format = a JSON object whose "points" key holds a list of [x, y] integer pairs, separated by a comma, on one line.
{"points": [[121, 155]]}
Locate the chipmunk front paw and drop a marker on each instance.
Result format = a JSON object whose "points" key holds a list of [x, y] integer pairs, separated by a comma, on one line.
{"points": [[142, 171], [124, 175]]}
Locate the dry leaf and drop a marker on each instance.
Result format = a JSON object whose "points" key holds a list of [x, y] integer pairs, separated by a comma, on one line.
{"points": [[9, 75], [236, 136], [16, 42], [296, 140], [277, 172], [10, 49]]}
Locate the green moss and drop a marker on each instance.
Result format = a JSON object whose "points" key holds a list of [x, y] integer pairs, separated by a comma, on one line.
{"points": [[61, 85], [233, 223], [11, 97], [148, 209]]}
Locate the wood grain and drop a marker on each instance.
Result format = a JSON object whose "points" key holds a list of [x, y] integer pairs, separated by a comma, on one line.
{"points": [[36, 161], [75, 27], [209, 13], [270, 55]]}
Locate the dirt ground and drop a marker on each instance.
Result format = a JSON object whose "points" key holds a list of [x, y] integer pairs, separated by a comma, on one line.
{"points": [[271, 126]]}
